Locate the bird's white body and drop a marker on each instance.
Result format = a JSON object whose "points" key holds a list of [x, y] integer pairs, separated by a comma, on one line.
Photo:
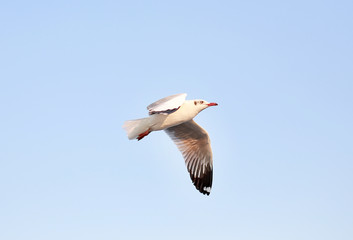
{"points": [[185, 113], [174, 114], [156, 122]]}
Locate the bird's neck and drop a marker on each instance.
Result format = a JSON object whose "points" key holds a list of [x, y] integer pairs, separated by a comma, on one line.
{"points": [[188, 109]]}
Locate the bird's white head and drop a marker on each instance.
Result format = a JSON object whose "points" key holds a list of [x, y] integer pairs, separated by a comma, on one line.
{"points": [[202, 104]]}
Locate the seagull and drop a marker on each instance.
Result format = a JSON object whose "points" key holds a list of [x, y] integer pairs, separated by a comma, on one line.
{"points": [[175, 115]]}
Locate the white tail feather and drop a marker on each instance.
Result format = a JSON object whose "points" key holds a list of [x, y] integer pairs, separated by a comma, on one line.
{"points": [[135, 127]]}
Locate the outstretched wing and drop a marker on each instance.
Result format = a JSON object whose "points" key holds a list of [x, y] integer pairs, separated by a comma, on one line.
{"points": [[194, 143], [167, 105]]}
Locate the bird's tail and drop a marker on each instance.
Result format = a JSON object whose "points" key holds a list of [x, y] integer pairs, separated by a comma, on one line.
{"points": [[135, 127]]}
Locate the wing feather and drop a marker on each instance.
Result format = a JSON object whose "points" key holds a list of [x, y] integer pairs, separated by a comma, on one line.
{"points": [[167, 105], [194, 144]]}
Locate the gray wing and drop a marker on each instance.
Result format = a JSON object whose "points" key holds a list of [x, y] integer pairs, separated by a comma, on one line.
{"points": [[167, 105], [194, 144]]}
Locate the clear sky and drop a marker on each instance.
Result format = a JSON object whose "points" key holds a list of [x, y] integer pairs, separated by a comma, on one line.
{"points": [[71, 72]]}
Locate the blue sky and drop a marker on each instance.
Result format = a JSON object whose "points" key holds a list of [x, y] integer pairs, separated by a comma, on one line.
{"points": [[71, 72]]}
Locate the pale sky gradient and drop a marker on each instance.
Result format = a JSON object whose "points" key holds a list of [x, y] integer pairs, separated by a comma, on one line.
{"points": [[71, 72]]}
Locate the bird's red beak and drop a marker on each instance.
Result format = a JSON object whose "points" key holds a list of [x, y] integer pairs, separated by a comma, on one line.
{"points": [[212, 104]]}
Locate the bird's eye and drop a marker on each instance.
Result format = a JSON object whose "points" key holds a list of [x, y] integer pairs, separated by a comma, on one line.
{"points": [[195, 102], [201, 102]]}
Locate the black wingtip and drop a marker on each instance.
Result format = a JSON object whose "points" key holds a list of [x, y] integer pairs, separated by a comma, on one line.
{"points": [[204, 183]]}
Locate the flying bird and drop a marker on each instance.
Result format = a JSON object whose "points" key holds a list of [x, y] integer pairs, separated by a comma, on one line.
{"points": [[175, 115]]}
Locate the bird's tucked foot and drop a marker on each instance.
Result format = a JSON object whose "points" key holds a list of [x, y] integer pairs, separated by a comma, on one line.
{"points": [[142, 135]]}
